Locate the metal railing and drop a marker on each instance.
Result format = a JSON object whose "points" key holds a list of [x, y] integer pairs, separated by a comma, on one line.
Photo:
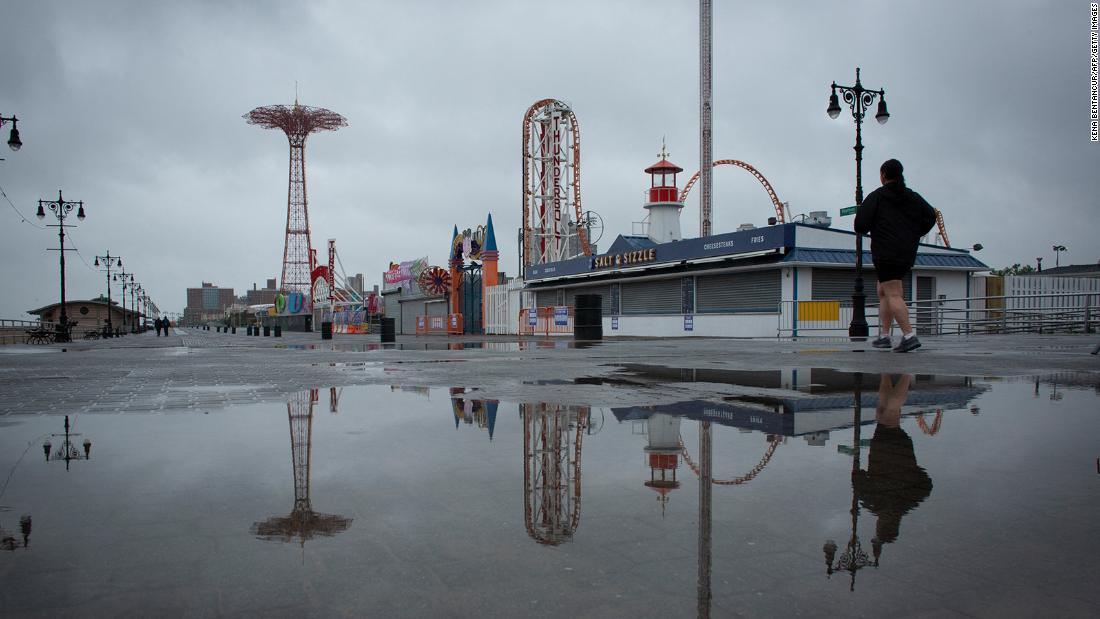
{"points": [[1074, 312], [15, 331]]}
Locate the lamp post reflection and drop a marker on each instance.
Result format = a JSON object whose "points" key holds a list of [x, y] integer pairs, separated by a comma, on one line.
{"points": [[8, 541], [302, 523], [67, 451], [552, 439], [892, 485]]}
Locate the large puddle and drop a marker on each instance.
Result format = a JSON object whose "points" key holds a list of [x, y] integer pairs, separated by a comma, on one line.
{"points": [[805, 492]]}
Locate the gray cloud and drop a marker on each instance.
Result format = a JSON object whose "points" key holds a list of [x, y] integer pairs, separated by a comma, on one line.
{"points": [[136, 108]]}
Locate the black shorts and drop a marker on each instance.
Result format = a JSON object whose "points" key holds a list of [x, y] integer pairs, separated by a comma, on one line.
{"points": [[889, 271]]}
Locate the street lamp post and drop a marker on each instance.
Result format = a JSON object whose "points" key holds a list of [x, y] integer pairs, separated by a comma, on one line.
{"points": [[61, 209], [854, 558], [14, 142], [67, 451], [121, 278], [1058, 249], [107, 263], [135, 288], [858, 99]]}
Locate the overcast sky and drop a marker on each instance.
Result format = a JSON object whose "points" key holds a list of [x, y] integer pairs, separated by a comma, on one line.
{"points": [[135, 108]]}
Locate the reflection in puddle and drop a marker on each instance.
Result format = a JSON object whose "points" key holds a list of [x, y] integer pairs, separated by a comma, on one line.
{"points": [[302, 523], [553, 436], [714, 503]]}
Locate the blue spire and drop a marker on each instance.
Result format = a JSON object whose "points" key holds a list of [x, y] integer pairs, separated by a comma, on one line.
{"points": [[491, 405], [490, 236]]}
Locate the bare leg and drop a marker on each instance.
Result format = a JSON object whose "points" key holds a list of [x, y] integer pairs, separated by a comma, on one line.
{"points": [[900, 313], [885, 315]]}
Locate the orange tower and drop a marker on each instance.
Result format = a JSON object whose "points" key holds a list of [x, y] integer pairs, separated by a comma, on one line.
{"points": [[489, 272]]}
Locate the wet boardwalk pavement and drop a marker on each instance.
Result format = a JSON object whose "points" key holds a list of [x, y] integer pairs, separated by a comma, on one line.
{"points": [[227, 475]]}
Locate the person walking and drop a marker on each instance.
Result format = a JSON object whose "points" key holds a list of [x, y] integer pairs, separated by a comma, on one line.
{"points": [[157, 324], [896, 217]]}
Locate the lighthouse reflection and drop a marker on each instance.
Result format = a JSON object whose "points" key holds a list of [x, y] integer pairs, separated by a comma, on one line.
{"points": [[303, 523]]}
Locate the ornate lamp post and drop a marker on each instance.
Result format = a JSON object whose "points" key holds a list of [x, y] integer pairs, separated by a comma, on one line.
{"points": [[1058, 249], [854, 557], [66, 450], [125, 279], [61, 209], [14, 142], [858, 99], [135, 294], [107, 263]]}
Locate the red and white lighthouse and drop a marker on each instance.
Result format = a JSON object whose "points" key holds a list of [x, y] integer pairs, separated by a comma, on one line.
{"points": [[663, 200]]}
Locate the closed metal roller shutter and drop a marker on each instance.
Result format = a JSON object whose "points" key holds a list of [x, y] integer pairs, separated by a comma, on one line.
{"points": [[546, 298], [758, 291], [838, 284], [435, 309], [603, 291], [657, 297], [409, 311]]}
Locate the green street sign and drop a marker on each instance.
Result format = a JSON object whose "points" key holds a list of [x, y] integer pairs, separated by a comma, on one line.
{"points": [[850, 210]]}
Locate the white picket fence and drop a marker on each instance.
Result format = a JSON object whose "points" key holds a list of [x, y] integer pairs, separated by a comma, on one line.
{"points": [[502, 306]]}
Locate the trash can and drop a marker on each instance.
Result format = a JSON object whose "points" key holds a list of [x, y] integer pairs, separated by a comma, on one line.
{"points": [[278, 331], [326, 330], [389, 330], [267, 330], [588, 317]]}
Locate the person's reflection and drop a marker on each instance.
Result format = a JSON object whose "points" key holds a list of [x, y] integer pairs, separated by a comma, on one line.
{"points": [[893, 483]]}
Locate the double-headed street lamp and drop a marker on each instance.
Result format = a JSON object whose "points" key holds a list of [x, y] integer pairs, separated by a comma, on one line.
{"points": [[107, 262], [14, 142], [858, 99], [135, 295], [124, 282], [67, 451], [1058, 249], [61, 208]]}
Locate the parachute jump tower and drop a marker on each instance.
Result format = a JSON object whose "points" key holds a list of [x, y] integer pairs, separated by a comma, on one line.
{"points": [[297, 121]]}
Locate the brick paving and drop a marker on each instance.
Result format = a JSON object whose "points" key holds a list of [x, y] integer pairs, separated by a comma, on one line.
{"points": [[193, 369]]}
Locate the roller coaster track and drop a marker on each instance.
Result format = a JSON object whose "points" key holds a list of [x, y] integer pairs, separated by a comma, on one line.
{"points": [[736, 481], [751, 170], [536, 201]]}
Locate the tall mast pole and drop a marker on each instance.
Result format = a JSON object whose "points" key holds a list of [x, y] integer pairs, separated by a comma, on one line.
{"points": [[705, 150]]}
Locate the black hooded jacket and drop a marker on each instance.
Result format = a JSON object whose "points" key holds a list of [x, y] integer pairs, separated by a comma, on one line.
{"points": [[896, 217]]}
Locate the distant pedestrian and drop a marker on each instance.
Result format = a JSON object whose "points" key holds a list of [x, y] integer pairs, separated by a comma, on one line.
{"points": [[896, 217], [165, 324], [157, 323]]}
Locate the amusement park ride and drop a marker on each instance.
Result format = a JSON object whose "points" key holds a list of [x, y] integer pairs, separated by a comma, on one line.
{"points": [[297, 122], [302, 523]]}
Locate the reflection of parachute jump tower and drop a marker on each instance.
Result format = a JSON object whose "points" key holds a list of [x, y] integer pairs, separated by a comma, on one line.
{"points": [[552, 436], [303, 523], [297, 121], [552, 184]]}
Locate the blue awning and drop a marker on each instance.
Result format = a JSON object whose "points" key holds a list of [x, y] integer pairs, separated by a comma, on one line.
{"points": [[847, 257]]}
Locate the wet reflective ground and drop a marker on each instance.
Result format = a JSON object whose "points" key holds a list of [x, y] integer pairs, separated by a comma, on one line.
{"points": [[950, 496]]}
